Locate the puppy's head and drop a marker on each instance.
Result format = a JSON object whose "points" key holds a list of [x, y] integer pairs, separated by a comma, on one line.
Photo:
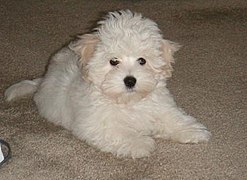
{"points": [[126, 58]]}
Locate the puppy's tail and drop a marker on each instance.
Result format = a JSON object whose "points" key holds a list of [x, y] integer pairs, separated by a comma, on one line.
{"points": [[23, 88]]}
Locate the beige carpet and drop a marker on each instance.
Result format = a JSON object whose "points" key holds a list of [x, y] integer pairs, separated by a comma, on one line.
{"points": [[209, 82]]}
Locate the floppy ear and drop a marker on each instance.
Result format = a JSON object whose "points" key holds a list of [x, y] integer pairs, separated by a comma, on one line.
{"points": [[168, 48], [84, 47]]}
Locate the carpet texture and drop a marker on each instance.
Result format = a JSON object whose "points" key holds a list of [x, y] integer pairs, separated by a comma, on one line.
{"points": [[209, 82]]}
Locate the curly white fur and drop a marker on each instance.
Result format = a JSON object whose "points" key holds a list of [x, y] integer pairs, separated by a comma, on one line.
{"points": [[84, 93]]}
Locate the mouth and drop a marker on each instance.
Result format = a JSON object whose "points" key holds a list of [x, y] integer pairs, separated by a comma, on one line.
{"points": [[130, 90]]}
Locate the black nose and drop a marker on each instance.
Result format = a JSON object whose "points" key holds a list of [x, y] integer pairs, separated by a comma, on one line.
{"points": [[129, 81]]}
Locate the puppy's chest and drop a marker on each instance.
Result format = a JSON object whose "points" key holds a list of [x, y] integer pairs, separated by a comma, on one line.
{"points": [[139, 117]]}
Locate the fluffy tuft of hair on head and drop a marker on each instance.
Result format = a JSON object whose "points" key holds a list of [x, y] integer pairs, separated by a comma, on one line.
{"points": [[121, 15], [126, 24]]}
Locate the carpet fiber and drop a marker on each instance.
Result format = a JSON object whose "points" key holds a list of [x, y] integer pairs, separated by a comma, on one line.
{"points": [[209, 82]]}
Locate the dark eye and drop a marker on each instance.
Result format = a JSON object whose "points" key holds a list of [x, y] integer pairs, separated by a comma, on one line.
{"points": [[114, 62], [141, 61]]}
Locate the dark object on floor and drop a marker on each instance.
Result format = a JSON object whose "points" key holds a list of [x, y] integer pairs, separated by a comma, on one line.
{"points": [[5, 152]]}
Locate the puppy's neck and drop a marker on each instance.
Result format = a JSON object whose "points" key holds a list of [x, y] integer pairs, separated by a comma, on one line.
{"points": [[129, 98]]}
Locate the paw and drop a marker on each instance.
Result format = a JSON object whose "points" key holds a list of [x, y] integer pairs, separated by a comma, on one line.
{"points": [[137, 147], [193, 134]]}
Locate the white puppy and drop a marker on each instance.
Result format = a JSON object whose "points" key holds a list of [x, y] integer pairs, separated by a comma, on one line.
{"points": [[109, 88]]}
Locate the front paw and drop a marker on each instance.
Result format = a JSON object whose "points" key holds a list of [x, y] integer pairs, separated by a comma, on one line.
{"points": [[192, 134], [137, 147]]}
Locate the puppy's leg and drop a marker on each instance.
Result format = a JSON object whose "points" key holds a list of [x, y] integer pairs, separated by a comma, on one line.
{"points": [[119, 141], [178, 126], [133, 145]]}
